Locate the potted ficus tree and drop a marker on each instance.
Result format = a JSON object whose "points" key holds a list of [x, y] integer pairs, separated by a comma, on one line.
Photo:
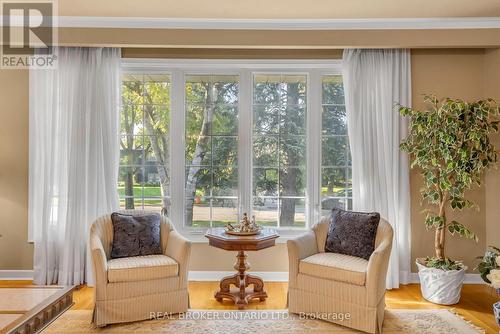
{"points": [[449, 143]]}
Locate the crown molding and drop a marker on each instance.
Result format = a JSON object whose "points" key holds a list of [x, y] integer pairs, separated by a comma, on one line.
{"points": [[280, 24], [273, 24]]}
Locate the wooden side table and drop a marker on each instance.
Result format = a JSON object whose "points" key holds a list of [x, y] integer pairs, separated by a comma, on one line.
{"points": [[217, 237]]}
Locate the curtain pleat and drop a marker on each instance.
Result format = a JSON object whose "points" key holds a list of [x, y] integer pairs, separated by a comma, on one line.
{"points": [[375, 81], [74, 156]]}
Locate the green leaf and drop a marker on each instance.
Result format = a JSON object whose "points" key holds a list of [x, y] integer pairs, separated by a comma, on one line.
{"points": [[444, 264], [462, 230], [483, 276]]}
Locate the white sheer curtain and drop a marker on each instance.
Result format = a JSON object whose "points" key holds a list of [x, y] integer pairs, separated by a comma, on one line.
{"points": [[74, 155], [374, 82]]}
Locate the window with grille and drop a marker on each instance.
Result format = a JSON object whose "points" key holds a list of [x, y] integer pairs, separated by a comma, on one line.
{"points": [[206, 142]]}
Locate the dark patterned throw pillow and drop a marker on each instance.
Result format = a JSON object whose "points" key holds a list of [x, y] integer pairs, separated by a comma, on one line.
{"points": [[135, 235], [352, 233]]}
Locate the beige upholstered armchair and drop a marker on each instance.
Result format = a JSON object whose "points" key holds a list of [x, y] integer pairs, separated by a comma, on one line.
{"points": [[129, 289], [328, 284]]}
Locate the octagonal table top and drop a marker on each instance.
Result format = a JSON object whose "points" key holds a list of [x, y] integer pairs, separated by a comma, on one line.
{"points": [[217, 237]]}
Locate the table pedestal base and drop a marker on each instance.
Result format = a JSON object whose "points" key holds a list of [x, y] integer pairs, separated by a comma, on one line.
{"points": [[241, 280]]}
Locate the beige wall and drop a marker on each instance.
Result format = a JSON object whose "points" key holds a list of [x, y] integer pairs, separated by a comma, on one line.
{"points": [[281, 9], [492, 180], [207, 258], [456, 74], [280, 39], [461, 73], [15, 252]]}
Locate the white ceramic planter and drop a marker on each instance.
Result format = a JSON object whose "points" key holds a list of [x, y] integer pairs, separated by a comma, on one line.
{"points": [[441, 286], [496, 311]]}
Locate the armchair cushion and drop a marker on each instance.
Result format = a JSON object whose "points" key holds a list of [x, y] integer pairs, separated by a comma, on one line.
{"points": [[141, 268], [135, 235], [352, 233], [335, 267]]}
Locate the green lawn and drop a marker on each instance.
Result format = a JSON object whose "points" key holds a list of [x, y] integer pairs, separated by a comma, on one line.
{"points": [[220, 223], [149, 191], [155, 191], [336, 190]]}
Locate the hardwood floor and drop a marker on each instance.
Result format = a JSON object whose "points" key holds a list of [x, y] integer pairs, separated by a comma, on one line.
{"points": [[475, 304]]}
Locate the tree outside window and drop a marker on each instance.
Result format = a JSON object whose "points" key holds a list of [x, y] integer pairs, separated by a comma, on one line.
{"points": [[211, 110], [336, 180], [279, 146], [144, 175], [211, 150]]}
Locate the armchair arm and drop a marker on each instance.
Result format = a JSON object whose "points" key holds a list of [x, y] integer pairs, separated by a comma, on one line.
{"points": [[179, 248], [377, 271], [99, 265], [298, 249]]}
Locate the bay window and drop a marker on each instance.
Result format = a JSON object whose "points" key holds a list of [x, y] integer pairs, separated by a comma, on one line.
{"points": [[206, 141]]}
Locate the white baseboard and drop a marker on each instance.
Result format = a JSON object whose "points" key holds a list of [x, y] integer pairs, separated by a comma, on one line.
{"points": [[469, 279], [269, 276], [16, 275], [282, 276]]}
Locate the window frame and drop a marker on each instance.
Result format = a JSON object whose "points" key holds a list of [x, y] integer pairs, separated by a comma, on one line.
{"points": [[143, 165], [279, 196], [347, 167], [178, 69], [200, 72]]}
